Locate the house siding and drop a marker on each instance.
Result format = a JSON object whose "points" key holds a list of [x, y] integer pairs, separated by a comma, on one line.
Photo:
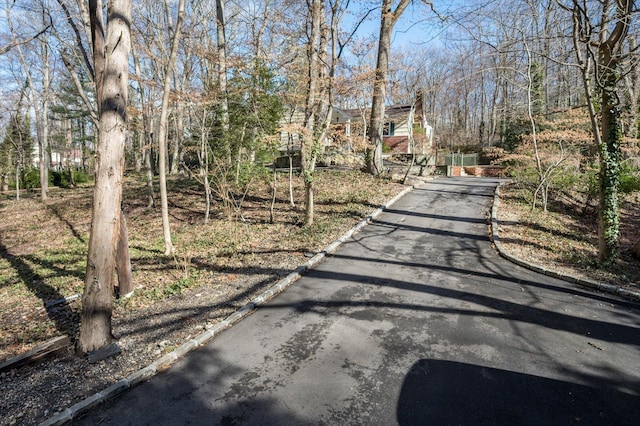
{"points": [[289, 137]]}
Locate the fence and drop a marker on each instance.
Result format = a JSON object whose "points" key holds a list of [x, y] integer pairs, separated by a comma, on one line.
{"points": [[461, 159]]}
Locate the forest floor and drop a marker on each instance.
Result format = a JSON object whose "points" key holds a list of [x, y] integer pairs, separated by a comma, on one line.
{"points": [[565, 238], [218, 267]]}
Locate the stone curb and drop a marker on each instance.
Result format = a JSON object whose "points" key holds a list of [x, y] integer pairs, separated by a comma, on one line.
{"points": [[202, 339], [594, 285]]}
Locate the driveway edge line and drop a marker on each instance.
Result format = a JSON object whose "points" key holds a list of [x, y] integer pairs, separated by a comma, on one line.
{"points": [[166, 361], [594, 285]]}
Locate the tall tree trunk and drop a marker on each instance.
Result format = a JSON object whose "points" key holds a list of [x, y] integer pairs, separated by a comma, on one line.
{"points": [[222, 76], [17, 182], [388, 20], [273, 194], [140, 124], [178, 144], [111, 58], [292, 202], [609, 158], [148, 166], [44, 123], [309, 149], [609, 54], [40, 107], [173, 157], [147, 134], [123, 260], [324, 105], [203, 157], [162, 132], [611, 36], [632, 81]]}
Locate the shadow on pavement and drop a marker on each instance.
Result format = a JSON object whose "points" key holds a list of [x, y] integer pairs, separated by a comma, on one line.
{"points": [[499, 308], [175, 398], [501, 276], [446, 392]]}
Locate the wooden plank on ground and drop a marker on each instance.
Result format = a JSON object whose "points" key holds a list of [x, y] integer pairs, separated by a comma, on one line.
{"points": [[55, 345], [100, 354]]}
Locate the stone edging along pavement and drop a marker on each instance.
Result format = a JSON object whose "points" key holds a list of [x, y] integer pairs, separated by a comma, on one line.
{"points": [[169, 359], [607, 288]]}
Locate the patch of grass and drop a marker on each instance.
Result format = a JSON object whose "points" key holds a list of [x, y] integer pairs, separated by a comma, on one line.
{"points": [[314, 232], [178, 287]]}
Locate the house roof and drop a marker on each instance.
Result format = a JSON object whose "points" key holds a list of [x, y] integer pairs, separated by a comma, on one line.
{"points": [[389, 111], [352, 114], [395, 110]]}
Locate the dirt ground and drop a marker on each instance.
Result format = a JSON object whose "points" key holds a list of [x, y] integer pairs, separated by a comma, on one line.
{"points": [[566, 237]]}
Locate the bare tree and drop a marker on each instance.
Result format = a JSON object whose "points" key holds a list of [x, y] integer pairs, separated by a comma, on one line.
{"points": [[111, 45], [221, 39], [162, 131], [14, 43], [599, 36], [146, 133], [388, 19], [545, 172], [40, 103], [310, 146]]}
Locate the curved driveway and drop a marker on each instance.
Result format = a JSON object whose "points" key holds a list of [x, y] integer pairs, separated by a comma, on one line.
{"points": [[415, 320]]}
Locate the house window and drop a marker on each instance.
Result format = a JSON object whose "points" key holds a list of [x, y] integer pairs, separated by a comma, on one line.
{"points": [[389, 128]]}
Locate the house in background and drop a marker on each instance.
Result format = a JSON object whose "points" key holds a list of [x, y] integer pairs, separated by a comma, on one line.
{"points": [[406, 130], [290, 131]]}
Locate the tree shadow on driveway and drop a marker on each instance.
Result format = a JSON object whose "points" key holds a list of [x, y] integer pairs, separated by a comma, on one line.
{"points": [[499, 308], [178, 397], [448, 392]]}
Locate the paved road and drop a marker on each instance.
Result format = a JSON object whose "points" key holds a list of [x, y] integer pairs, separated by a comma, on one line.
{"points": [[416, 320]]}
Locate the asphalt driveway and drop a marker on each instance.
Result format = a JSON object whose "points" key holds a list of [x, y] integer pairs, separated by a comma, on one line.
{"points": [[415, 320]]}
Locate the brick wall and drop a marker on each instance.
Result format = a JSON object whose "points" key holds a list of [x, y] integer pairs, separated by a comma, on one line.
{"points": [[487, 171]]}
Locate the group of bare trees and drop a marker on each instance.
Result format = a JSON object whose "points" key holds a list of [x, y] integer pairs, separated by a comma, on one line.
{"points": [[505, 66], [206, 89], [209, 82]]}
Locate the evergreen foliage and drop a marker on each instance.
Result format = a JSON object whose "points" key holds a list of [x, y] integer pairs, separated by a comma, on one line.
{"points": [[70, 114], [16, 150]]}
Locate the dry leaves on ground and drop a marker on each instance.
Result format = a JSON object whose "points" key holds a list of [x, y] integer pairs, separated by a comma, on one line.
{"points": [[566, 239], [218, 267]]}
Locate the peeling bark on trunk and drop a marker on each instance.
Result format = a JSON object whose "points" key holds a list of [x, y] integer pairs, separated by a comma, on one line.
{"points": [[111, 56]]}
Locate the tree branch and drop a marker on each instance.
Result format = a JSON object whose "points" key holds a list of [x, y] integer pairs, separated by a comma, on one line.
{"points": [[80, 89], [17, 43], [74, 27]]}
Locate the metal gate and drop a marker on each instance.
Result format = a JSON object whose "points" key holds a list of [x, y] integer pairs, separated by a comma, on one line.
{"points": [[462, 160]]}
